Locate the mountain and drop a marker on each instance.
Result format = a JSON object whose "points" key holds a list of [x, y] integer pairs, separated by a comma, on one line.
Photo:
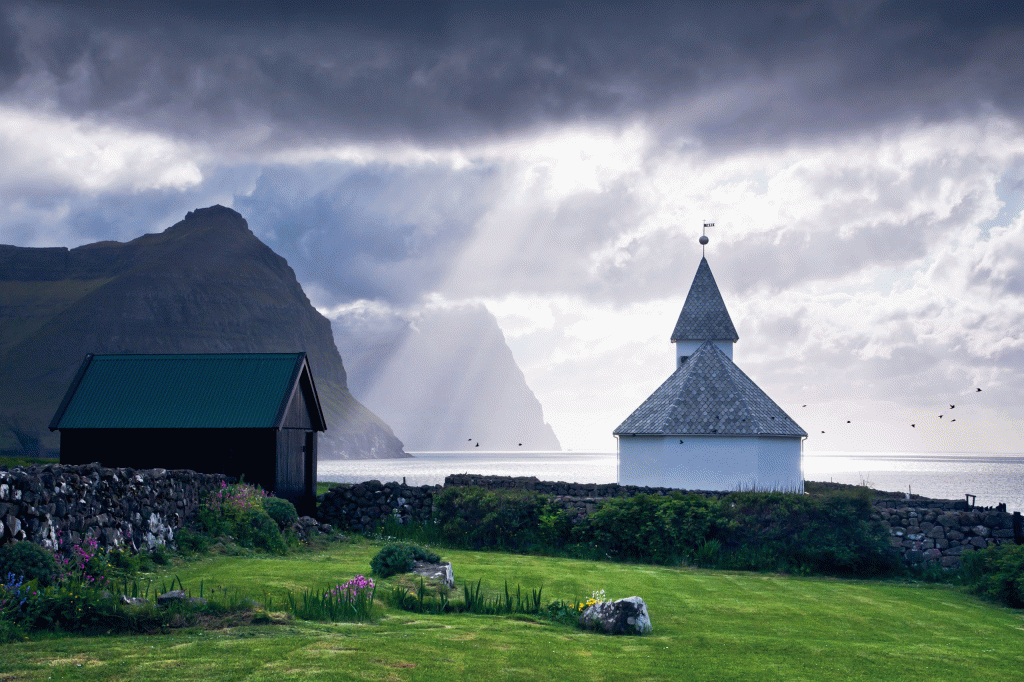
{"points": [[444, 379], [204, 285]]}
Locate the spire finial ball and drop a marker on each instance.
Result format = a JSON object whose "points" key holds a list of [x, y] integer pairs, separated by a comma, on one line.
{"points": [[703, 239]]}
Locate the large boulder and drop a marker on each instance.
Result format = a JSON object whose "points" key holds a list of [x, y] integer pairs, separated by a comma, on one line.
{"points": [[620, 617]]}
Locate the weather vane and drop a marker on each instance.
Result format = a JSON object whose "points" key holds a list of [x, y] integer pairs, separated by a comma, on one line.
{"points": [[704, 237]]}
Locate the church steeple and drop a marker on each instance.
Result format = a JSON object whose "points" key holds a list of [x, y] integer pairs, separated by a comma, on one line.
{"points": [[704, 317]]}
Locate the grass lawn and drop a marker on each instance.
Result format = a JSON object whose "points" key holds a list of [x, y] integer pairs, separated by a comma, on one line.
{"points": [[708, 625]]}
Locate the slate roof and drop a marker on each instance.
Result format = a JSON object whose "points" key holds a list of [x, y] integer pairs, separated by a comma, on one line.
{"points": [[223, 390], [704, 316], [709, 395]]}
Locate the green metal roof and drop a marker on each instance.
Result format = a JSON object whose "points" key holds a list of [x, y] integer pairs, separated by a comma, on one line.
{"points": [[242, 391]]}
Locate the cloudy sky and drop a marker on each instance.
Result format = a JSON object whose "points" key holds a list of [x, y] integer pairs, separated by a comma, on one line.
{"points": [[863, 163]]}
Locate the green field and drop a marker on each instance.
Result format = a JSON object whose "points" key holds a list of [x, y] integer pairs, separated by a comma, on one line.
{"points": [[708, 625]]}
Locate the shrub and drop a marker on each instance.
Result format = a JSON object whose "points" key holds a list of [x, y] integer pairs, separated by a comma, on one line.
{"points": [[159, 555], [85, 562], [255, 529], [237, 510], [996, 573], [831, 534], [662, 529], [189, 541], [282, 511], [774, 531], [29, 561], [509, 519], [398, 558], [123, 564]]}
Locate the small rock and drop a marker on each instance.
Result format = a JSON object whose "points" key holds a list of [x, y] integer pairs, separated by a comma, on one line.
{"points": [[441, 572], [178, 596], [620, 617]]}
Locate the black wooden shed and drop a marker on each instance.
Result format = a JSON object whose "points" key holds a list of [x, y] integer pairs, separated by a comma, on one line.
{"points": [[242, 414]]}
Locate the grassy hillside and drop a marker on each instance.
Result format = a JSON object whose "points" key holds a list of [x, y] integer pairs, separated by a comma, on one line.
{"points": [[708, 625]]}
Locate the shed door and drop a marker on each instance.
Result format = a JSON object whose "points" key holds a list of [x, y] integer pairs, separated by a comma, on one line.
{"points": [[309, 457]]}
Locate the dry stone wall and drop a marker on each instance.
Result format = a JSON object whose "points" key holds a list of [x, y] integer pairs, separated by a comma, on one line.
{"points": [[130, 508], [361, 506], [54, 504], [941, 532]]}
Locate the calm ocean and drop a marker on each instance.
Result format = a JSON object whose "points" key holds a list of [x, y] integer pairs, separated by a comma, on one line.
{"points": [[992, 478]]}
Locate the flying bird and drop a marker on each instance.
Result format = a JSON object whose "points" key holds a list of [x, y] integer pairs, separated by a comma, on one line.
{"points": [[940, 416], [952, 406], [477, 445], [847, 421], [913, 426], [803, 406], [823, 432], [977, 390], [952, 420]]}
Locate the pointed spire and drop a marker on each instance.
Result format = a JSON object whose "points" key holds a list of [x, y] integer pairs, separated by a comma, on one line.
{"points": [[704, 316]]}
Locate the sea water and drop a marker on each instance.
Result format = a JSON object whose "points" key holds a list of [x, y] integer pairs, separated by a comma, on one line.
{"points": [[991, 478]]}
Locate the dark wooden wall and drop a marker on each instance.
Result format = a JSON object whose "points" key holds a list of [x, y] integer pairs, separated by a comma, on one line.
{"points": [[235, 452]]}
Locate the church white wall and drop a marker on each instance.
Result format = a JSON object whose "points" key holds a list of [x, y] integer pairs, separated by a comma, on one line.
{"points": [[710, 462], [688, 348]]}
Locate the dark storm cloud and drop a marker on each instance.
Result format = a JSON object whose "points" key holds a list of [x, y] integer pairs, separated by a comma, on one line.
{"points": [[443, 71], [10, 66]]}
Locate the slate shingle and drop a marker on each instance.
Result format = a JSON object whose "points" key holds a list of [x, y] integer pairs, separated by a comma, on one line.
{"points": [[709, 395], [704, 316]]}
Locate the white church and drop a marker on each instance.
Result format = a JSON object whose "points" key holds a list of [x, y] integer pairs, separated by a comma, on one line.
{"points": [[709, 426]]}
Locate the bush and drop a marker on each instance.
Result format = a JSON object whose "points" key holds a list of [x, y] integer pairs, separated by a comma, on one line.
{"points": [[159, 555], [832, 534], [255, 529], [996, 573], [190, 541], [238, 510], [282, 511], [508, 519], [398, 558], [765, 531], [123, 564], [662, 529], [29, 561]]}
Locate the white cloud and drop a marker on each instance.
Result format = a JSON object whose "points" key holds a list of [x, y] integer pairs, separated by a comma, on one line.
{"points": [[46, 150]]}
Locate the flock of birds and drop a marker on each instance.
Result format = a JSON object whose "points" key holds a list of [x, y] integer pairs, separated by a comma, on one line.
{"points": [[914, 425]]}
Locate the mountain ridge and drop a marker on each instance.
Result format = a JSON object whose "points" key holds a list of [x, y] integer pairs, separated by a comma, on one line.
{"points": [[204, 285]]}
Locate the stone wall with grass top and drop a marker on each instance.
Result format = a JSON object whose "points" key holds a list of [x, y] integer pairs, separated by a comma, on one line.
{"points": [[53, 504], [925, 532]]}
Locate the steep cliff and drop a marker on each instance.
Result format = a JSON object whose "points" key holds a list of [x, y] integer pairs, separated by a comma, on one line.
{"points": [[204, 285], [444, 379]]}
